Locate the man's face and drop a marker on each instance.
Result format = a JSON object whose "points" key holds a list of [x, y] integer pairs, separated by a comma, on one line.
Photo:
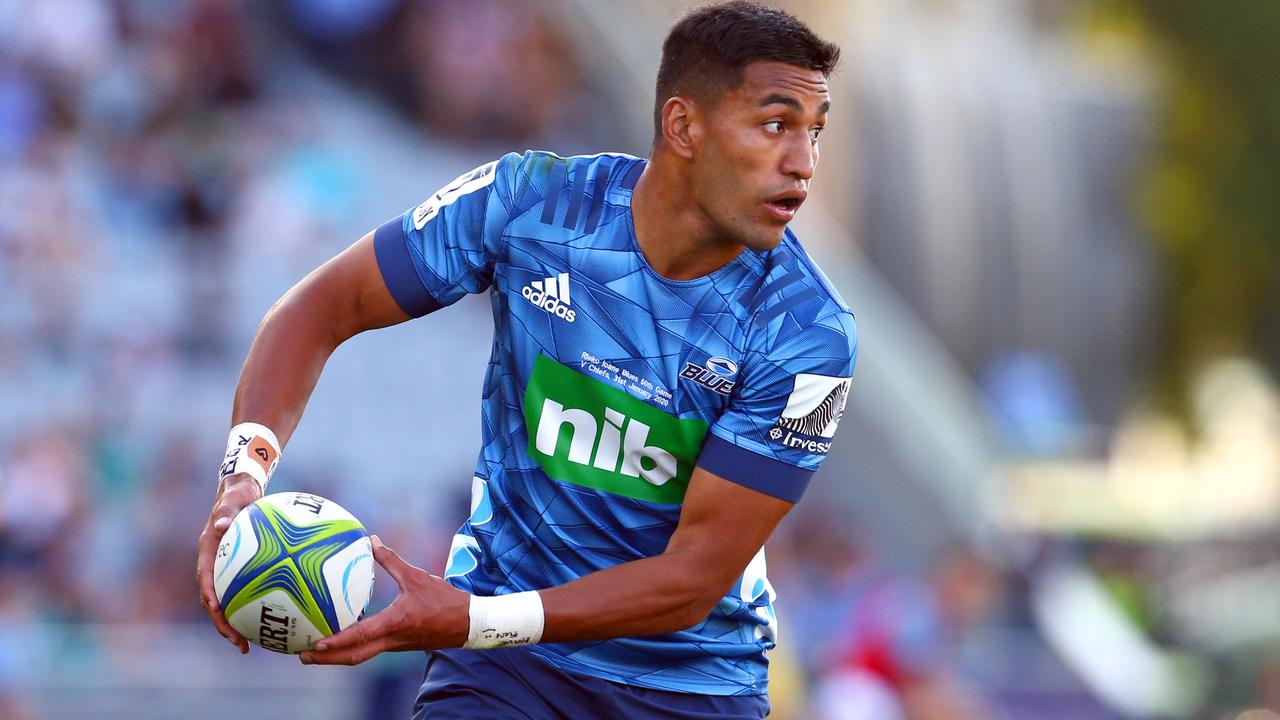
{"points": [[753, 169]]}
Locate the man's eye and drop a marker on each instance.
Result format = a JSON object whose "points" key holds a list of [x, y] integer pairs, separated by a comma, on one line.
{"points": [[814, 133], [774, 127]]}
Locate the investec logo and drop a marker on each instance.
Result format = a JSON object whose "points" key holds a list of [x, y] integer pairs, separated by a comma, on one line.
{"points": [[813, 411], [586, 432], [552, 295]]}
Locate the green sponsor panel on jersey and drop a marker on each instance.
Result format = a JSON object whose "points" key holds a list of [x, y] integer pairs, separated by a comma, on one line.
{"points": [[587, 432]]}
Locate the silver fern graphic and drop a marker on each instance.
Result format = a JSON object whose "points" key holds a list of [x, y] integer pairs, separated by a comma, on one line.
{"points": [[821, 417]]}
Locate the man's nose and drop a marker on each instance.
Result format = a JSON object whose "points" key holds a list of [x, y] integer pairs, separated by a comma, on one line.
{"points": [[801, 158]]}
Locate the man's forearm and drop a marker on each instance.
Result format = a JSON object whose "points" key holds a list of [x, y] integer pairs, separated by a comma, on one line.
{"points": [[651, 596], [722, 526]]}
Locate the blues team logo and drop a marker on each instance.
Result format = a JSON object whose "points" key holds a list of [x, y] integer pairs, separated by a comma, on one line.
{"points": [[715, 374]]}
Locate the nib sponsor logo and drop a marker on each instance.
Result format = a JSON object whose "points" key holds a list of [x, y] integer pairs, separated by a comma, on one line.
{"points": [[594, 434], [552, 295], [614, 444]]}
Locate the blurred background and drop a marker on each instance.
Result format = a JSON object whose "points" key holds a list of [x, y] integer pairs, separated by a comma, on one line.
{"points": [[1056, 489]]}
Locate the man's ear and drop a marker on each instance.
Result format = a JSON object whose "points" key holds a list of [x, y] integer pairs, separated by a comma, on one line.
{"points": [[682, 126]]}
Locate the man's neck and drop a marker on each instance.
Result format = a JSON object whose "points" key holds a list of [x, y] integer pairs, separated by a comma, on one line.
{"points": [[674, 234]]}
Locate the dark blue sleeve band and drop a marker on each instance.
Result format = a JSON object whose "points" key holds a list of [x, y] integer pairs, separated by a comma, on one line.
{"points": [[398, 272], [753, 470]]}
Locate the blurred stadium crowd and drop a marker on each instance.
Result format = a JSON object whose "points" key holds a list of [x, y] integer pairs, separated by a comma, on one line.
{"points": [[141, 145], [149, 150], [167, 169]]}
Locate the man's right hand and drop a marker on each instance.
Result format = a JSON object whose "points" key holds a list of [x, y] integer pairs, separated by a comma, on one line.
{"points": [[235, 493]]}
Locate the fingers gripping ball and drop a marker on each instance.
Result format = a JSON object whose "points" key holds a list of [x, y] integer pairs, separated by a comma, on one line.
{"points": [[293, 568]]}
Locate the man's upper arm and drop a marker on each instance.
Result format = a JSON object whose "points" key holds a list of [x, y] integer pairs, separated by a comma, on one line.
{"points": [[350, 291], [722, 526]]}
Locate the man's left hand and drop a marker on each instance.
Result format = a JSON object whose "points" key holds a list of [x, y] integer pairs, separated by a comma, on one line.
{"points": [[428, 614]]}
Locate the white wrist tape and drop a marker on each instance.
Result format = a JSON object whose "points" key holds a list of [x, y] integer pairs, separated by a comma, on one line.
{"points": [[251, 449], [505, 620]]}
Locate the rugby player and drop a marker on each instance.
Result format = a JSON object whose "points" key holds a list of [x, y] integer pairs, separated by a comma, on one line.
{"points": [[668, 370]]}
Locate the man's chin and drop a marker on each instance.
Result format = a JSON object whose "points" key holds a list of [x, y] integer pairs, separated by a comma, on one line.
{"points": [[765, 239]]}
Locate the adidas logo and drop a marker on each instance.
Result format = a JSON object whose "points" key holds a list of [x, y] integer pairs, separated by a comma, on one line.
{"points": [[552, 295]]}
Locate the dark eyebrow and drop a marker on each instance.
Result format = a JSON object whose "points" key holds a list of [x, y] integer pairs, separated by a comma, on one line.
{"points": [[780, 99]]}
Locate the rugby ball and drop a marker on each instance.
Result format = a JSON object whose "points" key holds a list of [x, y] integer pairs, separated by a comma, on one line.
{"points": [[291, 569]]}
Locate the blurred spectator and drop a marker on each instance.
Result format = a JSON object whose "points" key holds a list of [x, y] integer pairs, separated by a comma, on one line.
{"points": [[482, 71], [490, 72], [41, 498], [896, 652]]}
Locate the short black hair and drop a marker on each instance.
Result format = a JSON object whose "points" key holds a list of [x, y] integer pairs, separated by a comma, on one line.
{"points": [[708, 48]]}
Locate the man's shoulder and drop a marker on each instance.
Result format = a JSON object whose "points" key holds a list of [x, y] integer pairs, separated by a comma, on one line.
{"points": [[794, 314], [792, 287], [542, 170], [559, 184], [545, 158]]}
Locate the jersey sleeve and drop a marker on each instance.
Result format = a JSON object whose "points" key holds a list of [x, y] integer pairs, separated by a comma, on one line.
{"points": [[778, 428], [433, 254]]}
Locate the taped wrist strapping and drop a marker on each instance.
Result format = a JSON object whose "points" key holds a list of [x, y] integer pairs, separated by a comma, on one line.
{"points": [[251, 449], [505, 620]]}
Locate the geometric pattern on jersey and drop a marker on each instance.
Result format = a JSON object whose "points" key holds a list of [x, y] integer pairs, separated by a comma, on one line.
{"points": [[607, 382]]}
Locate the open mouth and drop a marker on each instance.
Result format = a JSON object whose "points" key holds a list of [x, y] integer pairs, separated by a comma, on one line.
{"points": [[784, 208]]}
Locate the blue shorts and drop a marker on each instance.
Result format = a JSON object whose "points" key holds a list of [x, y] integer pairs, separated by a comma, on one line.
{"points": [[516, 683]]}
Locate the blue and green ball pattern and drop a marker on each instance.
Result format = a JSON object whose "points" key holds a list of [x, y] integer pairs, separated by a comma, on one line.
{"points": [[290, 558]]}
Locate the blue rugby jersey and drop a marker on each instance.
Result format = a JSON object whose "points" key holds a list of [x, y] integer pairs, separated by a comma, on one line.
{"points": [[608, 383]]}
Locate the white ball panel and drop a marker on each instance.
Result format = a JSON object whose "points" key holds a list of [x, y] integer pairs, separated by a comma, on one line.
{"points": [[235, 549], [274, 622], [349, 577], [306, 509]]}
